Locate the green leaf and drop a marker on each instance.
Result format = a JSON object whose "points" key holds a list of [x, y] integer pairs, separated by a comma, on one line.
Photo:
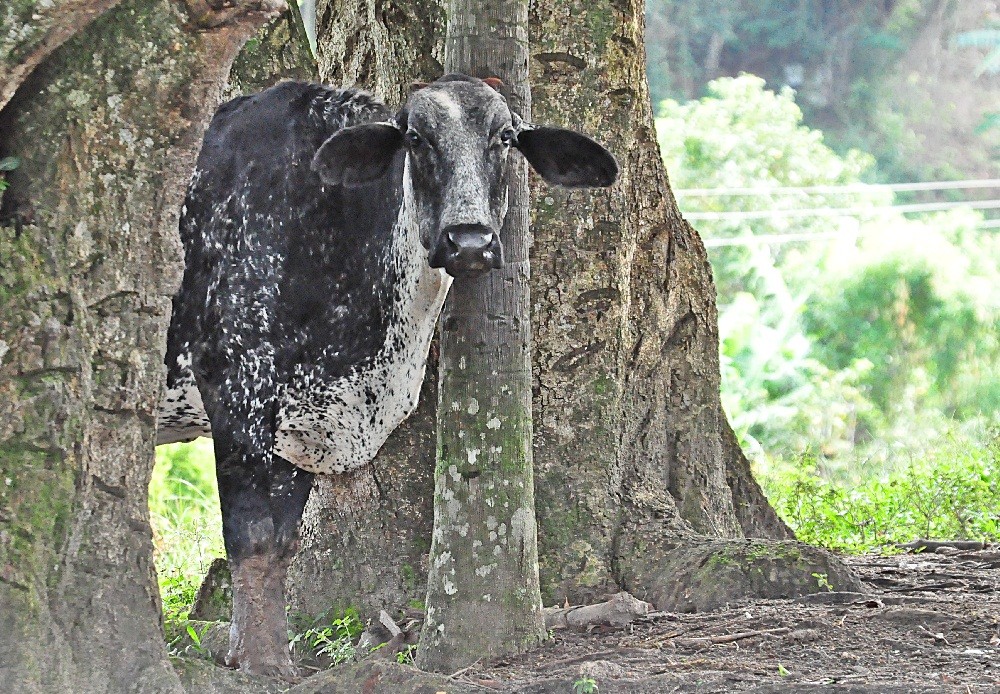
{"points": [[9, 163]]}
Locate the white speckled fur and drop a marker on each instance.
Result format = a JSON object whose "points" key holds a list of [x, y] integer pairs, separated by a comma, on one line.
{"points": [[347, 431]]}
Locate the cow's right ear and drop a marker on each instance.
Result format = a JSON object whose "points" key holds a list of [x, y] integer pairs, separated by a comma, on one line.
{"points": [[357, 155]]}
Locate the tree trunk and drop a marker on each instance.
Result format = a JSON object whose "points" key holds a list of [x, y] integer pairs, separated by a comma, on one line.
{"points": [[636, 467], [484, 552], [107, 127], [631, 442]]}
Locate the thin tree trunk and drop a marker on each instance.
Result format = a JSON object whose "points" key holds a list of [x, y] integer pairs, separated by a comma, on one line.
{"points": [[484, 557], [107, 127]]}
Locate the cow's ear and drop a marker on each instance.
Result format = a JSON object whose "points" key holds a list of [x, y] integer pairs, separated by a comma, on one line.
{"points": [[567, 158], [358, 154]]}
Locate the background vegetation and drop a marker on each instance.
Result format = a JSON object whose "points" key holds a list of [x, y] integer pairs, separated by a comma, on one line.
{"points": [[898, 79], [859, 348]]}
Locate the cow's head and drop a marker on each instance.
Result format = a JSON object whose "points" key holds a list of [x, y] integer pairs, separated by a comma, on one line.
{"points": [[457, 133]]}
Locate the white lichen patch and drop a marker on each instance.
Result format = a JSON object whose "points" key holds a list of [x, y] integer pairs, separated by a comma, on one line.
{"points": [[493, 423], [522, 524], [473, 406]]}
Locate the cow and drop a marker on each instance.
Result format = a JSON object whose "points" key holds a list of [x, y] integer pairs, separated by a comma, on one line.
{"points": [[321, 234]]}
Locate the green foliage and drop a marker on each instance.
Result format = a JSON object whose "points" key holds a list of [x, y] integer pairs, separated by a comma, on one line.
{"points": [[829, 343], [688, 41], [949, 490], [187, 523], [408, 655], [196, 640], [585, 685], [926, 313], [331, 639], [743, 135], [823, 581]]}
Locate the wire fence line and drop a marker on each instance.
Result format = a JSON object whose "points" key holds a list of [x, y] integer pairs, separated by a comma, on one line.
{"points": [[742, 215], [969, 184]]}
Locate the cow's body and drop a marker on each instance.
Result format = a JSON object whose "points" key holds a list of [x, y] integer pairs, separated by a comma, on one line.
{"points": [[344, 303], [321, 236]]}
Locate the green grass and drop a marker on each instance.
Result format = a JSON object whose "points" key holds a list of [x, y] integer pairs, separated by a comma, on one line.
{"points": [[187, 523], [948, 490]]}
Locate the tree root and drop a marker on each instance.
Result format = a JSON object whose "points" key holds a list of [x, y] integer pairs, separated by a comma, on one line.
{"points": [[705, 574], [618, 611], [930, 546]]}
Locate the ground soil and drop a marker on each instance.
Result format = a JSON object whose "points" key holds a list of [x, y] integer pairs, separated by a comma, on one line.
{"points": [[927, 622], [930, 623]]}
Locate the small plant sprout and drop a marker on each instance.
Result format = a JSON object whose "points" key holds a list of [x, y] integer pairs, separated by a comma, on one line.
{"points": [[406, 656], [585, 685], [196, 640], [822, 581]]}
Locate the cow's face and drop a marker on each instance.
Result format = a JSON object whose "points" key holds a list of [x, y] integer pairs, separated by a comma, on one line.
{"points": [[457, 134]]}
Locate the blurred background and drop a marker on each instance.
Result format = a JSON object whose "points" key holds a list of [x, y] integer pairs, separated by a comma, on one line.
{"points": [[840, 161]]}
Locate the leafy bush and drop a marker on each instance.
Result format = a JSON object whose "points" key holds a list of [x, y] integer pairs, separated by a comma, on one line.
{"points": [[332, 640], [926, 312], [950, 490], [830, 343]]}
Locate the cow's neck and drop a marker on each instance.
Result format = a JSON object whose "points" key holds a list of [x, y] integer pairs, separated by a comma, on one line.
{"points": [[422, 289]]}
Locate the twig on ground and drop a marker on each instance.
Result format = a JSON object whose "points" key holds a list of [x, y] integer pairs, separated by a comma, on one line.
{"points": [[706, 641], [459, 673]]}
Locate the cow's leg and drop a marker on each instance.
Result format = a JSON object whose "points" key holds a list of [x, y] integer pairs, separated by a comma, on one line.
{"points": [[258, 637], [290, 489]]}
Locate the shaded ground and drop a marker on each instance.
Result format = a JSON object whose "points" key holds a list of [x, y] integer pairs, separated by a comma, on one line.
{"points": [[931, 623]]}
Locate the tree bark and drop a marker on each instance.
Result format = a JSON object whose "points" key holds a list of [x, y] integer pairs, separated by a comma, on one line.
{"points": [[631, 436], [484, 552], [107, 127], [636, 467]]}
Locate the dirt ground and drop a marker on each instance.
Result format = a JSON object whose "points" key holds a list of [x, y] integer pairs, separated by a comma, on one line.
{"points": [[930, 624]]}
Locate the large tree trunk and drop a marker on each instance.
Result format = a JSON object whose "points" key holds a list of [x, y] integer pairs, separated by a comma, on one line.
{"points": [[107, 127], [639, 481]]}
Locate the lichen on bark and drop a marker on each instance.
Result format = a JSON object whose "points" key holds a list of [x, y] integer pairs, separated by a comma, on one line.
{"points": [[106, 127]]}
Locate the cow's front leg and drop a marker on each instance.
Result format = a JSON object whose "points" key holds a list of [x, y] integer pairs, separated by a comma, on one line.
{"points": [[262, 503]]}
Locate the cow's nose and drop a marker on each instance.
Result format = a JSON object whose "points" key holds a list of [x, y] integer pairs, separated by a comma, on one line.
{"points": [[471, 249]]}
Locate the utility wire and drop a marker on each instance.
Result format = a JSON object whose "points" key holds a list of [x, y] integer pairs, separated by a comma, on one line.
{"points": [[741, 215], [777, 239], [847, 188]]}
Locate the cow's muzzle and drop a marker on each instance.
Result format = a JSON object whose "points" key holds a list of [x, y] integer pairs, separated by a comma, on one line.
{"points": [[468, 249]]}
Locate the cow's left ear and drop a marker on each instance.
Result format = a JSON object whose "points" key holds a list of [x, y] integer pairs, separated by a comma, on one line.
{"points": [[357, 155], [567, 158]]}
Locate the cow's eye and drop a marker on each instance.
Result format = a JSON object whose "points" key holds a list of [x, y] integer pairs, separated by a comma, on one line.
{"points": [[507, 136], [413, 138]]}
